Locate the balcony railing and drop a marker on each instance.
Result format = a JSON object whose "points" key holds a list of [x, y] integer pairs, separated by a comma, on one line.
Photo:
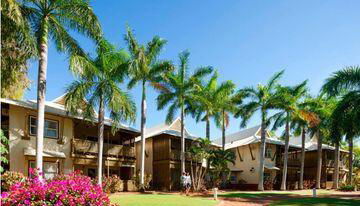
{"points": [[290, 162], [331, 163], [87, 147]]}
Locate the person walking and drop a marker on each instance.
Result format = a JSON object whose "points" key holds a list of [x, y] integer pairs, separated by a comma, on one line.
{"points": [[188, 184], [183, 181]]}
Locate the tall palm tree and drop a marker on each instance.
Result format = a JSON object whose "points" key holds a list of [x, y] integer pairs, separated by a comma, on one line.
{"points": [[346, 83], [301, 121], [263, 98], [207, 100], [97, 83], [145, 68], [290, 98], [323, 108], [55, 19], [176, 90]]}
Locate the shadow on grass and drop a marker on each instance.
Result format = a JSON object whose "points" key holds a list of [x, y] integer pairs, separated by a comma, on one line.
{"points": [[254, 195], [317, 202]]}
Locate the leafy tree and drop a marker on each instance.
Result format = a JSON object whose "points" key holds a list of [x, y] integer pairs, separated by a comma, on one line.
{"points": [[145, 68], [346, 84], [55, 19], [176, 90], [98, 82], [17, 47], [263, 99], [290, 98], [199, 150], [219, 161]]}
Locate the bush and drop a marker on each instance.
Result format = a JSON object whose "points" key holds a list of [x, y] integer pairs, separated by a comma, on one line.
{"points": [[71, 189], [147, 180], [9, 178], [112, 184], [347, 188]]}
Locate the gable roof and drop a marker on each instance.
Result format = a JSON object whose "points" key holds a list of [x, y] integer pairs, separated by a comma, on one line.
{"points": [[249, 136], [58, 109], [311, 143], [173, 129]]}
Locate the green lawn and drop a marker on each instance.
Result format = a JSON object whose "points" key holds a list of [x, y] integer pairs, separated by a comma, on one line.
{"points": [[317, 202], [254, 194], [160, 200]]}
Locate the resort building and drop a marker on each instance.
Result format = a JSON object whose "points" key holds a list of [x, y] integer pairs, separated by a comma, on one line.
{"points": [[162, 154], [328, 161], [70, 143], [245, 172]]}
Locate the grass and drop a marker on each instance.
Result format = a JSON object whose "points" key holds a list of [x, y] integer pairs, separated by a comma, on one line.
{"points": [[308, 201], [255, 194], [160, 200]]}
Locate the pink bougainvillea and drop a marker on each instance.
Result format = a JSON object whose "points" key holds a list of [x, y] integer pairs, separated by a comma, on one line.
{"points": [[73, 189]]}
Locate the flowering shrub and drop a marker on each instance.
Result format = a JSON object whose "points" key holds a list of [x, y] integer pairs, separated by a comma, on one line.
{"points": [[112, 184], [72, 189], [9, 178]]}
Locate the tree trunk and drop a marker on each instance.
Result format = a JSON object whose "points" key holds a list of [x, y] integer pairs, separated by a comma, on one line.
{"points": [[207, 128], [100, 140], [319, 160], [262, 156], [351, 150], [286, 154], [301, 182], [41, 91], [182, 140], [223, 130], [143, 122], [336, 173]]}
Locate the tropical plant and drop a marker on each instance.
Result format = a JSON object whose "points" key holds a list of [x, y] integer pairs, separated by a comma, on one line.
{"points": [[17, 47], [144, 68], [219, 161], [55, 19], [97, 83], [263, 98], [4, 141], [346, 84], [176, 90], [322, 107], [290, 95], [199, 151]]}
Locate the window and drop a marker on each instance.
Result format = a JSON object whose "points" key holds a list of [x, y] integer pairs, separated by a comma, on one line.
{"points": [[50, 127], [268, 153], [50, 169]]}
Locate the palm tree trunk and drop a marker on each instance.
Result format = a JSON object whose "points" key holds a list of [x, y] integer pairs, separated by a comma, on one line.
{"points": [[286, 154], [100, 141], [351, 150], [336, 173], [182, 140], [41, 91], [207, 128], [301, 182], [143, 122], [223, 130], [319, 160], [262, 156]]}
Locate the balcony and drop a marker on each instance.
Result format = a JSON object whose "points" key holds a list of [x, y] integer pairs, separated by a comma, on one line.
{"points": [[290, 162], [176, 155], [331, 163], [89, 149]]}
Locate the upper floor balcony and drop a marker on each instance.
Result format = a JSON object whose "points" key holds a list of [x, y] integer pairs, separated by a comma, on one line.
{"points": [[89, 149]]}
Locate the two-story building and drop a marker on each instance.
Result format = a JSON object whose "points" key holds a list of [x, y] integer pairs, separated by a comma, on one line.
{"points": [[245, 172], [328, 161], [162, 154], [70, 143]]}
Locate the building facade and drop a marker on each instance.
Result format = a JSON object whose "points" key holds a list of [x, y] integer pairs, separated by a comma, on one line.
{"points": [[70, 143]]}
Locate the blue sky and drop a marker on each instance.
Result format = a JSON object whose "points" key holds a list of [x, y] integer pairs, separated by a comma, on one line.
{"points": [[247, 41]]}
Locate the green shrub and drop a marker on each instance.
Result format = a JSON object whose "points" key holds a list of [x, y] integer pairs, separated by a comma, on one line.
{"points": [[112, 184], [347, 188], [9, 178], [147, 180]]}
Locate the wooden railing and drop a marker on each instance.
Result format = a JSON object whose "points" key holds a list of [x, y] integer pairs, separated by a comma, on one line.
{"points": [[331, 163], [87, 147], [176, 155], [290, 162]]}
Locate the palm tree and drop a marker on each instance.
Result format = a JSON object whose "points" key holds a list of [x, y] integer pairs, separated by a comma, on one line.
{"points": [[290, 98], [98, 82], [207, 100], [54, 19], [323, 108], [301, 121], [346, 83], [176, 90], [263, 98], [145, 68]]}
